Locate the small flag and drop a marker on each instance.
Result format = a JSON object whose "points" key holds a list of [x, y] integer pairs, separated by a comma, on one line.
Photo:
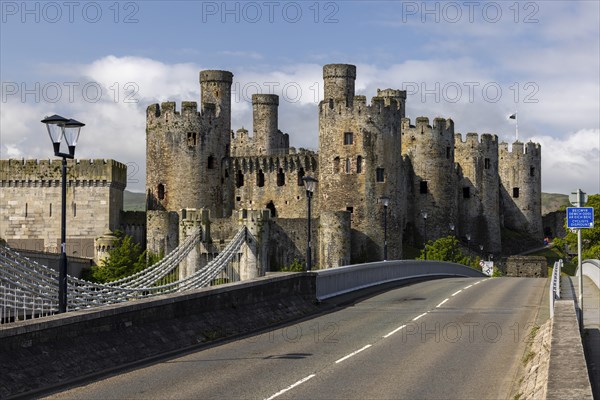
{"points": [[513, 116]]}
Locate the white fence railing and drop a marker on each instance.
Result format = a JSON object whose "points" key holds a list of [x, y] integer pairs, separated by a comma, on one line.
{"points": [[554, 292]]}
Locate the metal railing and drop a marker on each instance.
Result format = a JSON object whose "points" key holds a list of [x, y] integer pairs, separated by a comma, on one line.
{"points": [[30, 290], [554, 292]]}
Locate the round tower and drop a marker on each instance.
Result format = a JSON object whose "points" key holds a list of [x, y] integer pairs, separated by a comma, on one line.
{"points": [[265, 117], [478, 191], [339, 83], [521, 187], [433, 187], [360, 162], [215, 92], [334, 239]]}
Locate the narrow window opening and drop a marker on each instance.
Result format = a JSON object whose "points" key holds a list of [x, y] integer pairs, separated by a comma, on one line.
{"points": [[280, 177], [300, 176], [348, 164], [516, 193], [211, 162], [238, 198], [26, 209], [331, 103], [466, 192], [50, 210], [350, 209], [380, 175], [448, 153], [239, 182], [260, 178], [161, 191], [191, 139], [486, 163], [272, 209], [74, 209], [423, 187], [336, 165], [348, 138], [359, 161], [532, 171]]}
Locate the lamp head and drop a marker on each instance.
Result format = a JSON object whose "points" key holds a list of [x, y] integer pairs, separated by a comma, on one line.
{"points": [[385, 201], [310, 183]]}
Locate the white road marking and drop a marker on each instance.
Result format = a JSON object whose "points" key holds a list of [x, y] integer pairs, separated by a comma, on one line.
{"points": [[439, 305], [419, 316], [455, 293], [394, 331], [352, 354], [466, 287], [282, 391], [477, 283]]}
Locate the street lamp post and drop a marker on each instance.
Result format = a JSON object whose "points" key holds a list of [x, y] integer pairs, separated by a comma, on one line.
{"points": [[451, 226], [69, 129], [310, 183], [386, 202], [425, 234], [468, 236], [481, 249]]}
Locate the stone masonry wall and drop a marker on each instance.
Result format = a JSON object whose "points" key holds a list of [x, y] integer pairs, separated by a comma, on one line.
{"points": [[30, 202]]}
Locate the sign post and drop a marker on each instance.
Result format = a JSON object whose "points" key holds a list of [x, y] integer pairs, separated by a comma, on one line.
{"points": [[578, 218]]}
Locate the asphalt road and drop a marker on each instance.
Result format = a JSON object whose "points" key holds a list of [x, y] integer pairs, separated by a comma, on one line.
{"points": [[457, 338]]}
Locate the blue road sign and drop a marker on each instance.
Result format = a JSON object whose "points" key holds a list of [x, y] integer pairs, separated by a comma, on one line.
{"points": [[580, 217]]}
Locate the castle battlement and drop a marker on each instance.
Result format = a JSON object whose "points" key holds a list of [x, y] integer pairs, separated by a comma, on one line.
{"points": [[529, 149], [304, 159], [442, 129], [472, 140], [84, 172], [168, 110]]}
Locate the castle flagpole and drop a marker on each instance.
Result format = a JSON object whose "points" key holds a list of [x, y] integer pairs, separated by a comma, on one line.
{"points": [[514, 116]]}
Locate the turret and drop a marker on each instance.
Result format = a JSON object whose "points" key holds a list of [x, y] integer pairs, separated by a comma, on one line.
{"points": [[215, 89], [267, 137], [339, 83]]}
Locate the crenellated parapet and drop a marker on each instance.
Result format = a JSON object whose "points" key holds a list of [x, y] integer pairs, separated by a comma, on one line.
{"points": [[305, 161], [46, 173]]}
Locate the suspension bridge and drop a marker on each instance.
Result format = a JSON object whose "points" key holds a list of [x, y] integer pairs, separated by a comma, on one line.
{"points": [[30, 290]]}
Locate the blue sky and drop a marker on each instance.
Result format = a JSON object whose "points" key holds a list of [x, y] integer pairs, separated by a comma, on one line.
{"points": [[104, 62]]}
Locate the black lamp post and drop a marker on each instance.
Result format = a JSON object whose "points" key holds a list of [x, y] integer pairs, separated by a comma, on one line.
{"points": [[481, 249], [69, 129], [451, 226], [386, 202], [425, 234], [468, 236], [310, 183]]}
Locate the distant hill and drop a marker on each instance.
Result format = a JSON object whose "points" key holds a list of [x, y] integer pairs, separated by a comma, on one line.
{"points": [[553, 202], [133, 201]]}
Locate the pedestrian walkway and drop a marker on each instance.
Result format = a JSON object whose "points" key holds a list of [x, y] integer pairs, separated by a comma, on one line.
{"points": [[591, 323]]}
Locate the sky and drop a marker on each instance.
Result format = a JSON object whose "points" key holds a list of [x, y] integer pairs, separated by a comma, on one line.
{"points": [[477, 62]]}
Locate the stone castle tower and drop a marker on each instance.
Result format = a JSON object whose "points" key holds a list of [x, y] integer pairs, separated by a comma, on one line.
{"points": [[187, 156], [366, 152], [359, 148]]}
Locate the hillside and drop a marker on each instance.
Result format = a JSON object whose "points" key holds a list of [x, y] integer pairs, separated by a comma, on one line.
{"points": [[133, 201], [553, 202]]}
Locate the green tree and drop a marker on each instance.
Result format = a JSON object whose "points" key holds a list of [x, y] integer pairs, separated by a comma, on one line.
{"points": [[590, 237], [447, 249], [125, 259]]}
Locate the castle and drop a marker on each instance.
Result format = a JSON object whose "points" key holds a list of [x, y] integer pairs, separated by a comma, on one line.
{"points": [[438, 183]]}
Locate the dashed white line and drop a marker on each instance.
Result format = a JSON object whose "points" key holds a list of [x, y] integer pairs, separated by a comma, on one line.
{"points": [[455, 293], [439, 305], [419, 316], [466, 287], [477, 283], [352, 354], [282, 391], [394, 331]]}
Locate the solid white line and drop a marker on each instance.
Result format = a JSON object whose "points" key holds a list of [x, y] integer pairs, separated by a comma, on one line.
{"points": [[352, 354], [419, 316], [466, 287], [394, 331], [439, 305], [455, 293], [301, 381]]}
